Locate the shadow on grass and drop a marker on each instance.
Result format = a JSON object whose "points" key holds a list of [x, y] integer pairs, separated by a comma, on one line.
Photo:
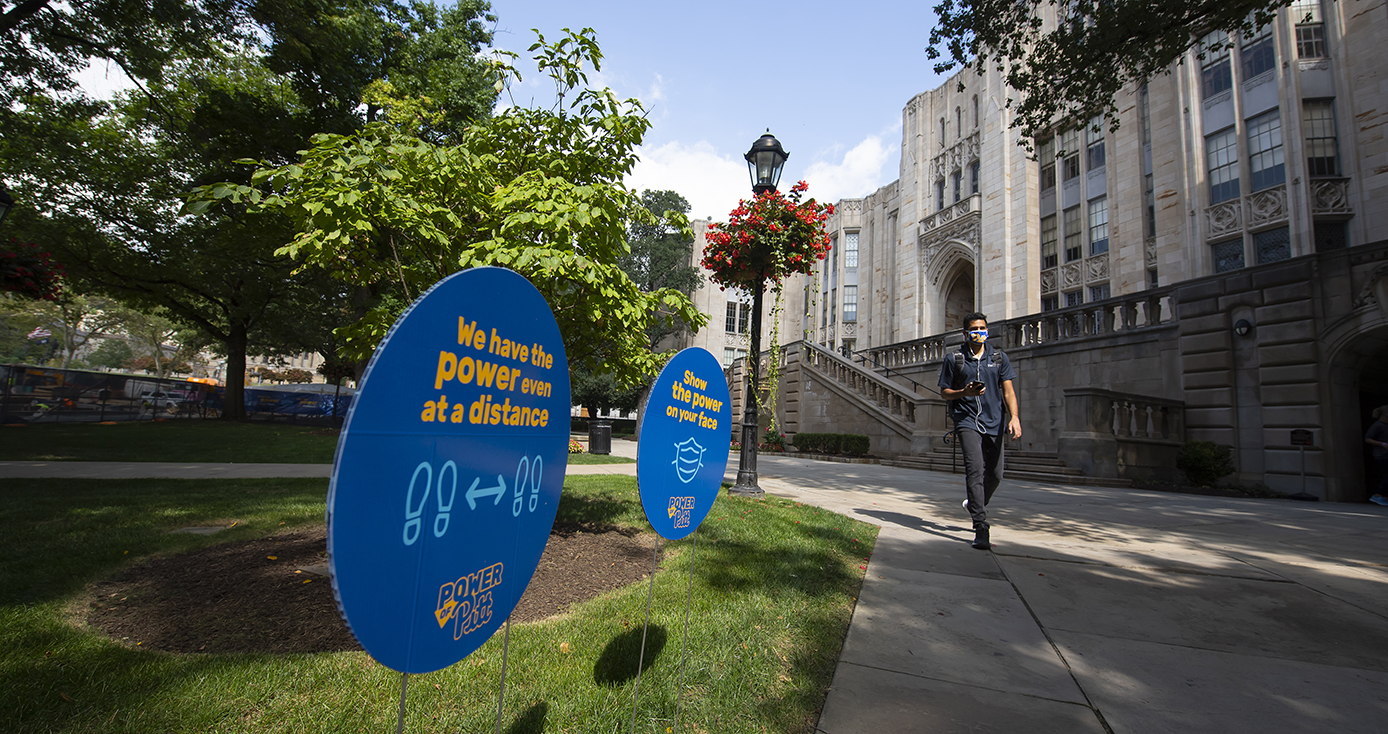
{"points": [[619, 659], [532, 721], [584, 510]]}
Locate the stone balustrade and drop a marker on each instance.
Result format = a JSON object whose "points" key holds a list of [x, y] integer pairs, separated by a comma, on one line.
{"points": [[1141, 310], [1124, 415], [888, 396], [1115, 434]]}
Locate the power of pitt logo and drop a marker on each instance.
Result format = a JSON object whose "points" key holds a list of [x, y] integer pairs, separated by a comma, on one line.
{"points": [[468, 601], [680, 507]]}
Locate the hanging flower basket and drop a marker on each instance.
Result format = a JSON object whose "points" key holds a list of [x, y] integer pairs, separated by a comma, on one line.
{"points": [[767, 239]]}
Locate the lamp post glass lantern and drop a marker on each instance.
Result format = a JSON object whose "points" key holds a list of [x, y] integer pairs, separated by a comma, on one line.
{"points": [[764, 162]]}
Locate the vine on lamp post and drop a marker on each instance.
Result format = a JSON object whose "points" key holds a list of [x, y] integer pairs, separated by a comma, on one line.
{"points": [[767, 239]]}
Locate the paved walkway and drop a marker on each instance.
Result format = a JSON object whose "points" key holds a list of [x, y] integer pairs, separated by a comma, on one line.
{"points": [[1099, 609]]}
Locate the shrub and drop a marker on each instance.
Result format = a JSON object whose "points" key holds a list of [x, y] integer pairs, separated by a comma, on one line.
{"points": [[832, 443], [575, 447], [855, 445], [1204, 462], [773, 440]]}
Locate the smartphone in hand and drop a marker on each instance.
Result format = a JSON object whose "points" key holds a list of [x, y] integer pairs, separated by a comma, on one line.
{"points": [[974, 385]]}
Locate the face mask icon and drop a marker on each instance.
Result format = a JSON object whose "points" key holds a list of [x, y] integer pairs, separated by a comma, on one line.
{"points": [[978, 336], [689, 458]]}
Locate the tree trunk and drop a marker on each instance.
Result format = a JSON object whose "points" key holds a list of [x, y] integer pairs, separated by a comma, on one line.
{"points": [[234, 398]]}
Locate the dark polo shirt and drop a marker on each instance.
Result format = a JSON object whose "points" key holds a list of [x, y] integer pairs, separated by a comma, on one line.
{"points": [[984, 412]]}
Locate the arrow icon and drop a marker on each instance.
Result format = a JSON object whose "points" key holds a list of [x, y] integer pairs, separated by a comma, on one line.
{"points": [[473, 492]]}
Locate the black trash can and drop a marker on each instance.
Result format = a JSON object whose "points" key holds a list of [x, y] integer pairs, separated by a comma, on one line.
{"points": [[599, 436]]}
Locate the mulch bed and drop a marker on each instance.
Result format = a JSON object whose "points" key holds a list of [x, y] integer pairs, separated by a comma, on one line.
{"points": [[232, 598]]}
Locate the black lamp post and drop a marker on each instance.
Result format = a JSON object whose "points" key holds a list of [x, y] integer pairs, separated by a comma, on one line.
{"points": [[764, 162], [6, 203]]}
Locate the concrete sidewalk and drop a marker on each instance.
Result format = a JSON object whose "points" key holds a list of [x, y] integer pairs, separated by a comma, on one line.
{"points": [[1098, 610]]}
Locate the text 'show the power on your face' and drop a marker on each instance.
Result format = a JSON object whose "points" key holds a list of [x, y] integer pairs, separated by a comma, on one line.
{"points": [[683, 449], [449, 470]]}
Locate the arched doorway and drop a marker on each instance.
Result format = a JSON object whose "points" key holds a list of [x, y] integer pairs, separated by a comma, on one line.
{"points": [[959, 295], [1358, 384]]}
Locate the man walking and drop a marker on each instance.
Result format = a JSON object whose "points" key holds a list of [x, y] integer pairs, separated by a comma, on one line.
{"points": [[977, 380]]}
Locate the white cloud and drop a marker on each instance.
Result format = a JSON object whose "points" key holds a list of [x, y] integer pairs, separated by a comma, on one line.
{"points": [[861, 172], [656, 92], [711, 182]]}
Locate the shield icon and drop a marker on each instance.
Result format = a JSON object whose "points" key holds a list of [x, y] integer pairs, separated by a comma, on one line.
{"points": [[689, 459]]}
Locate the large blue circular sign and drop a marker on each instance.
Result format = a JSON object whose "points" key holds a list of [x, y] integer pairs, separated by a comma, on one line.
{"points": [[449, 469], [683, 450]]}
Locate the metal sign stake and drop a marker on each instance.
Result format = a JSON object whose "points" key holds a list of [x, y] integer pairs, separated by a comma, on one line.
{"points": [[641, 658], [501, 696], [684, 645], [400, 721]]}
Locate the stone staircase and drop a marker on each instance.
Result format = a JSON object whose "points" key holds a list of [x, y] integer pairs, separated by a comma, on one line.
{"points": [[1024, 466]]}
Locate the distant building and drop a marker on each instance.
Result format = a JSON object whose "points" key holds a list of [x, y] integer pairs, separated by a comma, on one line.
{"points": [[1248, 188]]}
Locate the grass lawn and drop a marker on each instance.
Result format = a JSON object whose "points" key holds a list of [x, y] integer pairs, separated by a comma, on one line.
{"points": [[191, 441], [773, 590], [586, 458]]}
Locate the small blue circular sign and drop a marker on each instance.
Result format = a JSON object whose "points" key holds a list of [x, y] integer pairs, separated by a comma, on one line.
{"points": [[683, 450], [449, 470]]}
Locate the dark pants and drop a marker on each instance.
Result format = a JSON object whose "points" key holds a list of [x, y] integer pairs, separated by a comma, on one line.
{"points": [[1382, 475], [982, 471]]}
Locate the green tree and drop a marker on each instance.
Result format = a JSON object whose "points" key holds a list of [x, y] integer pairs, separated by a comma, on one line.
{"points": [[661, 257], [600, 392], [539, 191], [107, 179], [1073, 68], [113, 353]]}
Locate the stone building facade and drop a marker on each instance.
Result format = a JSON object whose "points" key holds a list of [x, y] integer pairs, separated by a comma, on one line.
{"points": [[1208, 270]]}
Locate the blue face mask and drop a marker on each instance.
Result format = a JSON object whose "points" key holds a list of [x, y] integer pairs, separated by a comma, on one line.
{"points": [[978, 336]]}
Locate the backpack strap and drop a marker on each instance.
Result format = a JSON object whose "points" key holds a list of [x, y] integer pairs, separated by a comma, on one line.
{"points": [[958, 383]]}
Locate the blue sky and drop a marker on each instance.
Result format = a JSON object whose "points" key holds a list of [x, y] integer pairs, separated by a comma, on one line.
{"points": [[828, 79]]}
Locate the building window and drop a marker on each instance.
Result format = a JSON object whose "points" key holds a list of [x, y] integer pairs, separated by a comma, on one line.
{"points": [[1098, 225], [973, 178], [850, 250], [730, 355], [1228, 255], [1257, 52], [958, 123], [939, 194], [1265, 151], [956, 179], [1074, 298], [1070, 148], [1045, 153], [850, 303], [1310, 29], [833, 305], [1050, 303], [1322, 146], [737, 316], [1098, 292], [1331, 236], [1094, 144], [1145, 116], [942, 132], [1048, 242], [975, 111], [1222, 157], [1073, 241], [1215, 76], [1152, 281], [1149, 197], [1272, 245]]}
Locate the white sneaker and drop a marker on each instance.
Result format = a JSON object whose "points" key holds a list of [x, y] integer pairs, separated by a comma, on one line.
{"points": [[966, 504]]}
